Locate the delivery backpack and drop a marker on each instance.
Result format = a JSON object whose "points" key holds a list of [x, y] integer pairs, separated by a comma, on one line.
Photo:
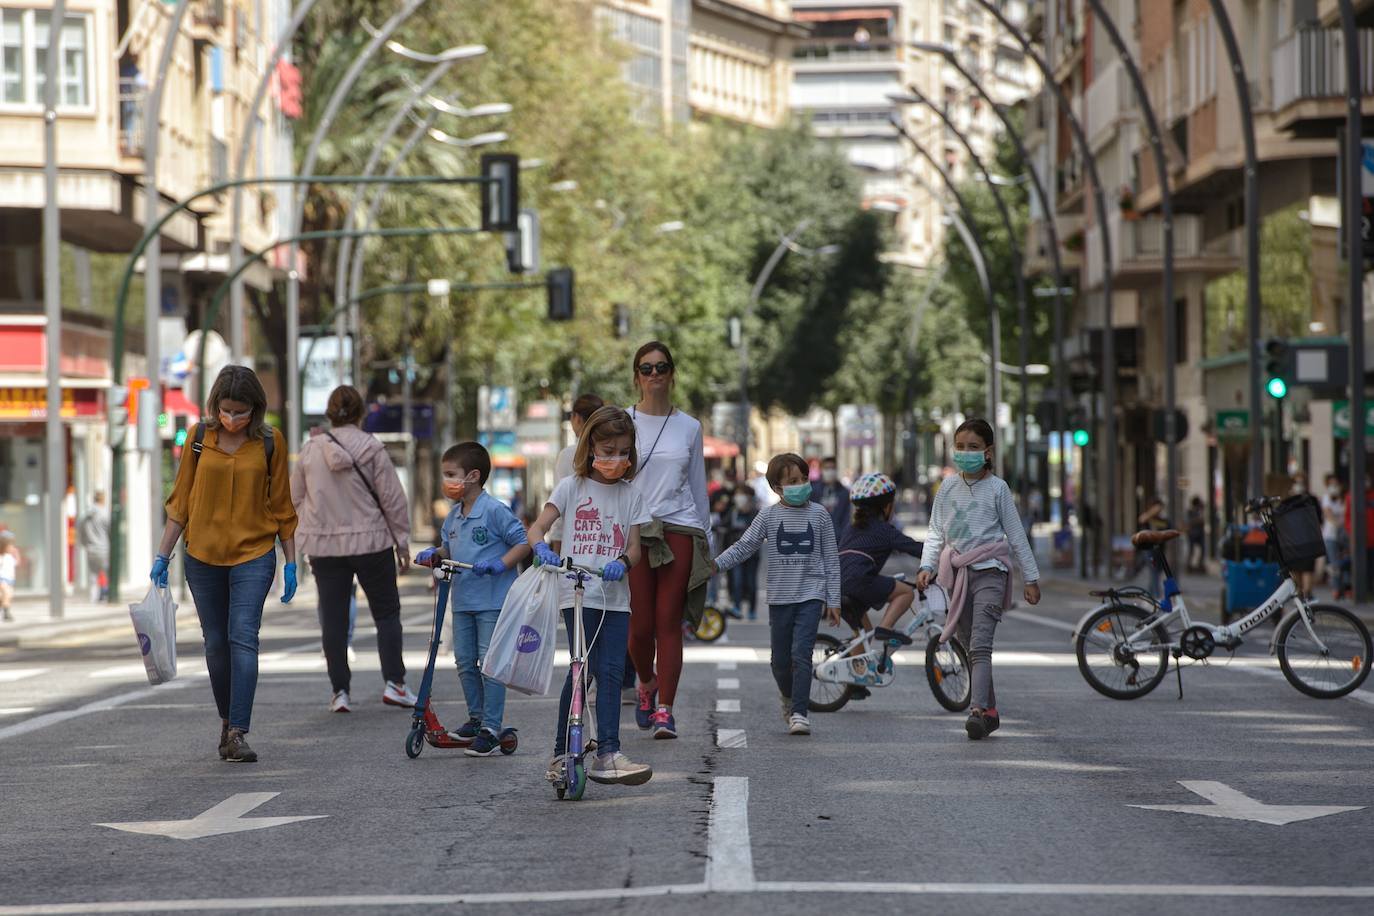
{"points": [[269, 445]]}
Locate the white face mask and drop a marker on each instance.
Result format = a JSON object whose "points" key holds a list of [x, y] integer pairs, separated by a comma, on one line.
{"points": [[742, 501], [1333, 492], [829, 475]]}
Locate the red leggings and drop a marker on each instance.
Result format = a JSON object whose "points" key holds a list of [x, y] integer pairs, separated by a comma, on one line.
{"points": [[657, 596]]}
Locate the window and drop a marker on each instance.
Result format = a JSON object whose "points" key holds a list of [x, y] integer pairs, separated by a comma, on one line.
{"points": [[23, 69]]}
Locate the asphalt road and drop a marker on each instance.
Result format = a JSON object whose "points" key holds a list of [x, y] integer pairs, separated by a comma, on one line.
{"points": [[887, 807]]}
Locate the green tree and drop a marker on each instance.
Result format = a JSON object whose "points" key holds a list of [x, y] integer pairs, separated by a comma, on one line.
{"points": [[1285, 287]]}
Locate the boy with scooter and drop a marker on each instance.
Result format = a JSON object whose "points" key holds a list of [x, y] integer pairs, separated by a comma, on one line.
{"points": [[481, 531]]}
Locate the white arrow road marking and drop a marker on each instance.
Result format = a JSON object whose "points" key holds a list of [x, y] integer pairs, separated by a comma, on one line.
{"points": [[731, 737], [729, 855], [226, 817], [1227, 802]]}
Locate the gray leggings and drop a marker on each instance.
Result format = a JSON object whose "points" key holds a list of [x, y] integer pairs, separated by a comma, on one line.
{"points": [[977, 625]]}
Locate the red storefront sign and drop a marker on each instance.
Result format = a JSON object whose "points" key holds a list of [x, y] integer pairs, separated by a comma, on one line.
{"points": [[32, 403]]}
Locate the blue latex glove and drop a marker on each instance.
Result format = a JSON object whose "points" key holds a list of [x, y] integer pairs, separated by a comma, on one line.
{"points": [[288, 574], [427, 557], [613, 571], [159, 573], [489, 568], [546, 555]]}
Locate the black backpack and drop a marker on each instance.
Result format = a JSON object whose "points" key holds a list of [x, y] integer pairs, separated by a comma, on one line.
{"points": [[269, 445]]}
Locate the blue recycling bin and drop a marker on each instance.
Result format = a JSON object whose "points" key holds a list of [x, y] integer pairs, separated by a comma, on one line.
{"points": [[1247, 583]]}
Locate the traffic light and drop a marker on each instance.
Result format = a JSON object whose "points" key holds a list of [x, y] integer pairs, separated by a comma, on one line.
{"points": [[620, 321], [560, 283], [501, 192], [118, 407], [1276, 367], [179, 423], [1081, 438]]}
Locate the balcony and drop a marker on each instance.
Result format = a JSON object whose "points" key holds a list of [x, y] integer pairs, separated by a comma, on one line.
{"points": [[1109, 101], [879, 54], [1138, 251], [1308, 87], [1039, 259]]}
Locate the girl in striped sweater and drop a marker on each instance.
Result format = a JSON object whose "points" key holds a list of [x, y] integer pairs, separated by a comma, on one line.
{"points": [[974, 534]]}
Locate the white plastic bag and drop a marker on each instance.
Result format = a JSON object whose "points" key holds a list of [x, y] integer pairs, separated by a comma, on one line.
{"points": [[155, 624], [520, 654]]}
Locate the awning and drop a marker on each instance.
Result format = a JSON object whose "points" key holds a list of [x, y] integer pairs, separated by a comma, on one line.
{"points": [[840, 15], [718, 448], [175, 402]]}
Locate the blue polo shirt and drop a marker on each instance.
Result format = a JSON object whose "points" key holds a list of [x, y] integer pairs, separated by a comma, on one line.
{"points": [[486, 533]]}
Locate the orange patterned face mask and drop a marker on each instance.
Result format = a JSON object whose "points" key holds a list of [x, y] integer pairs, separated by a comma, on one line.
{"points": [[611, 468], [233, 422], [455, 489]]}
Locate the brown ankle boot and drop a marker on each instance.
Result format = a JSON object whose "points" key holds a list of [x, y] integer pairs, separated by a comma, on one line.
{"points": [[237, 749], [223, 739]]}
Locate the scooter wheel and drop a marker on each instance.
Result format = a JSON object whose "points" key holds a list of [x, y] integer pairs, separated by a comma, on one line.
{"points": [[509, 741], [415, 742], [577, 781]]}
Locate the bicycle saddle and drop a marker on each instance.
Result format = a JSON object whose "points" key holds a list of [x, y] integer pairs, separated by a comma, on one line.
{"points": [[1154, 538]]}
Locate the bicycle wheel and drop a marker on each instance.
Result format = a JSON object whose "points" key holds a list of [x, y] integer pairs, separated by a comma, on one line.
{"points": [[712, 625], [827, 696], [1339, 669], [947, 672], [1109, 665]]}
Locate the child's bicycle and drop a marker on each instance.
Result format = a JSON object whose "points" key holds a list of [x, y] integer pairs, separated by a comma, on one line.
{"points": [[1123, 647], [425, 726], [844, 670]]}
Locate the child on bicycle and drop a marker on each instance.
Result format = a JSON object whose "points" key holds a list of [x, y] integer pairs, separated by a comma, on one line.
{"points": [[974, 533], [867, 543], [798, 539], [601, 515]]}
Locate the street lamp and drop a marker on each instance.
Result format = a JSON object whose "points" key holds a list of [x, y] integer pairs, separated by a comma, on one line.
{"points": [[785, 244], [483, 139], [1108, 489], [1022, 313], [1061, 288]]}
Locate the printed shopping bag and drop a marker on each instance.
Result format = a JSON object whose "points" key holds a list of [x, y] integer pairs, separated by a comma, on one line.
{"points": [[155, 624], [525, 639]]}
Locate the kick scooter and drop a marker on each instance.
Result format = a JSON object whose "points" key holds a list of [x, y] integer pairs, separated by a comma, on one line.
{"points": [[425, 726]]}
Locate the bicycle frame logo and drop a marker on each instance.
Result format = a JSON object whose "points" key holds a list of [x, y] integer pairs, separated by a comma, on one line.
{"points": [[528, 640]]}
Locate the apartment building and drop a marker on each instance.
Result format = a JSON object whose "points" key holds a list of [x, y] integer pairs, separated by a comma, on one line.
{"points": [[1296, 91], [108, 52], [859, 54]]}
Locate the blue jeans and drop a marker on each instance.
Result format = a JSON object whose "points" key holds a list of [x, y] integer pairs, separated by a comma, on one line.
{"points": [[605, 663], [229, 603], [744, 584], [471, 637], [793, 630]]}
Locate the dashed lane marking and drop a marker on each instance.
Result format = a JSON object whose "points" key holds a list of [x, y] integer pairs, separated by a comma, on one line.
{"points": [[10, 675], [15, 710], [727, 683], [724, 705], [729, 853], [1057, 765], [726, 666], [731, 738]]}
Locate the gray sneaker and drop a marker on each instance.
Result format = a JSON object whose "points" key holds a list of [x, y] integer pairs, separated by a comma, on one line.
{"points": [[618, 768], [798, 724]]}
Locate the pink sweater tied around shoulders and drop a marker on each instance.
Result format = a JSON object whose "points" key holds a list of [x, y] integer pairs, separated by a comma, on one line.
{"points": [[953, 577]]}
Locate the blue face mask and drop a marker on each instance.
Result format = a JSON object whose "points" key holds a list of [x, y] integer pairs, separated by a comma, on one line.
{"points": [[796, 494], [970, 462]]}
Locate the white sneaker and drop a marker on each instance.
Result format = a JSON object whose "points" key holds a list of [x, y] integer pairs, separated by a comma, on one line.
{"points": [[352, 656], [341, 702], [398, 695], [798, 724], [618, 768]]}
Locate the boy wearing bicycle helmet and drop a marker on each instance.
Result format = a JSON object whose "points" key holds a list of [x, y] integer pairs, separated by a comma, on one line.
{"points": [[865, 546]]}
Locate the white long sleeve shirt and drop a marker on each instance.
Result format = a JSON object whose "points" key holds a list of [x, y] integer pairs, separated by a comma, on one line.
{"points": [[970, 515], [671, 475]]}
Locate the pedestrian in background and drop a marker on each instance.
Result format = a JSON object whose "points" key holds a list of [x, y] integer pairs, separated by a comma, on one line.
{"points": [[671, 582], [1151, 519], [1333, 512], [803, 581], [582, 409], [232, 498], [744, 578], [93, 534], [1304, 571], [9, 573], [484, 533], [1197, 535], [354, 522], [832, 495]]}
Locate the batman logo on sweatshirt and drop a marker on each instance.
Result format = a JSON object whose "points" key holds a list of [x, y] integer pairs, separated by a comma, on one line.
{"points": [[791, 543]]}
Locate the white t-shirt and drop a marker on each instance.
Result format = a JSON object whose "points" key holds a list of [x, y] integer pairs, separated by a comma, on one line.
{"points": [[563, 464], [9, 567], [671, 476], [596, 528], [1336, 507]]}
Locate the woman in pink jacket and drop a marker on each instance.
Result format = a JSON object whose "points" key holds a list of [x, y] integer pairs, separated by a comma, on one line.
{"points": [[353, 522]]}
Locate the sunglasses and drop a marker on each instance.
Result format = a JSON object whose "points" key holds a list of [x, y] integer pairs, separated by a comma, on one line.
{"points": [[648, 369]]}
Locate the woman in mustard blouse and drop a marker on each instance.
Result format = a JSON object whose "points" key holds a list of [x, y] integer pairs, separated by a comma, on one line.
{"points": [[232, 510]]}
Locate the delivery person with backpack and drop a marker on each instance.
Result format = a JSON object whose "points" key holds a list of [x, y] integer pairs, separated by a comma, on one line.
{"points": [[232, 498]]}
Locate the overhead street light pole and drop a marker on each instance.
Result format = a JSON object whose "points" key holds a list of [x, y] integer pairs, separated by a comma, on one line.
{"points": [[1108, 485], [55, 445], [1022, 312]]}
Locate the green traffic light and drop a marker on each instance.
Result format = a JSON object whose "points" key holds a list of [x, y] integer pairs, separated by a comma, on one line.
{"points": [[1277, 388], [180, 438], [162, 420], [1080, 438]]}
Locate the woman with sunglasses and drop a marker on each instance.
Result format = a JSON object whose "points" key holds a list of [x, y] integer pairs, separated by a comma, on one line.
{"points": [[671, 579], [232, 498]]}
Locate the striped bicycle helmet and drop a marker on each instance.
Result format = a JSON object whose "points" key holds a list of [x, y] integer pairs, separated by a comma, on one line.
{"points": [[872, 486]]}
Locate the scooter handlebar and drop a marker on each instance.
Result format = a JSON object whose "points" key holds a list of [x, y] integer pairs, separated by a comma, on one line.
{"points": [[567, 565]]}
